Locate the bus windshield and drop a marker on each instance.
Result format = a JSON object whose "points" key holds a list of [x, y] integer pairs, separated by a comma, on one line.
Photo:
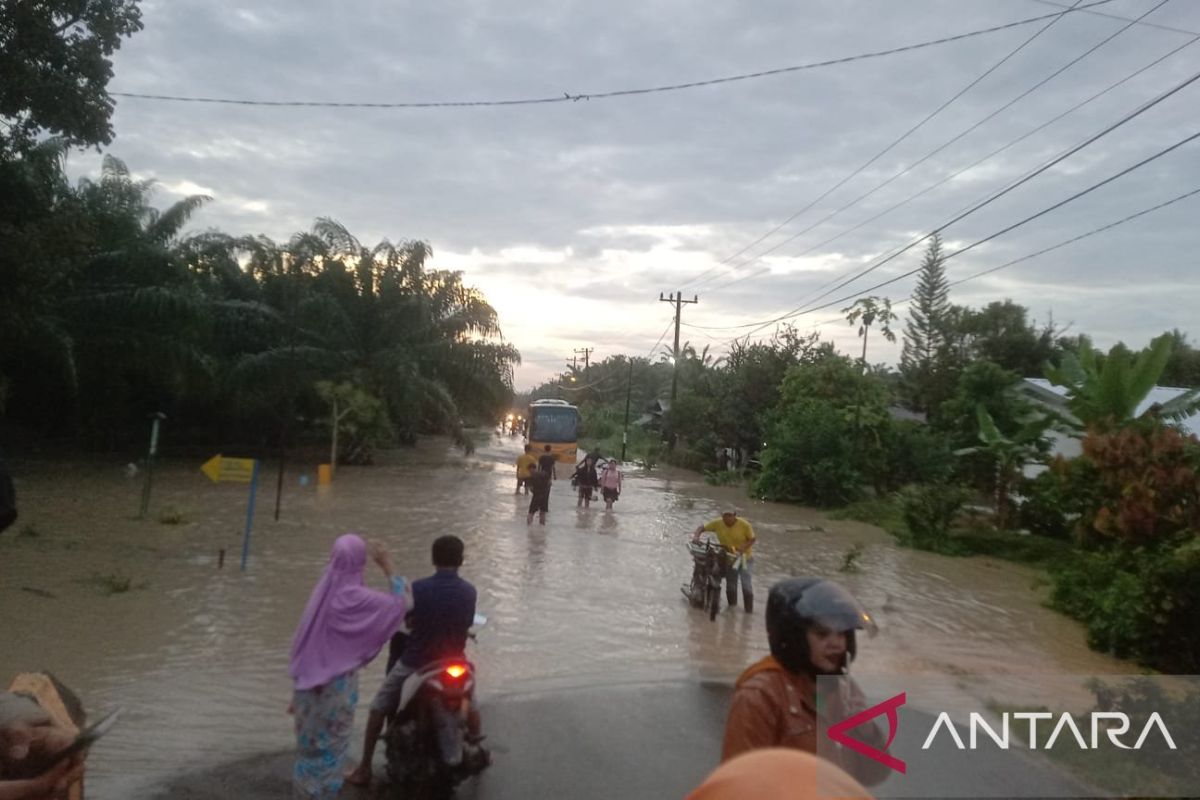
{"points": [[550, 424]]}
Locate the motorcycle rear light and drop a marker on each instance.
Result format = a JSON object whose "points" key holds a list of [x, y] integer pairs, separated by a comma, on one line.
{"points": [[456, 671]]}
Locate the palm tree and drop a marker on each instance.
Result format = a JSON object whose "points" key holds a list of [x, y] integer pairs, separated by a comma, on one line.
{"points": [[1106, 391], [98, 295], [426, 344]]}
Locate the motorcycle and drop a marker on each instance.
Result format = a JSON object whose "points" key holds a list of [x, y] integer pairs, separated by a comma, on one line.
{"points": [[710, 562], [430, 749]]}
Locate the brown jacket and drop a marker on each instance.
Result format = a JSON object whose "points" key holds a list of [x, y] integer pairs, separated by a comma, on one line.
{"points": [[775, 708]]}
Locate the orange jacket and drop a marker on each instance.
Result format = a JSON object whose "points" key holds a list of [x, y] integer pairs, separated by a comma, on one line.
{"points": [[775, 708]]}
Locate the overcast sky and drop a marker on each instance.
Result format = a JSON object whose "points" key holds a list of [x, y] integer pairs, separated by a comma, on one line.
{"points": [[573, 217]]}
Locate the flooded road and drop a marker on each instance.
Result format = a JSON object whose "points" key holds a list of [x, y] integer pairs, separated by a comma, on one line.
{"points": [[198, 655]]}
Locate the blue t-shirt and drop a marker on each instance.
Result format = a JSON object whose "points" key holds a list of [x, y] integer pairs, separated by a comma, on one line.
{"points": [[443, 610]]}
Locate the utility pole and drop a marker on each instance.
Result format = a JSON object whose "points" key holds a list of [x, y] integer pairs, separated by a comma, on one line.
{"points": [[587, 351], [628, 397], [677, 299]]}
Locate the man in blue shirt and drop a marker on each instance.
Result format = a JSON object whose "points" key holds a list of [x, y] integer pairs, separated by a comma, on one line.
{"points": [[443, 611]]}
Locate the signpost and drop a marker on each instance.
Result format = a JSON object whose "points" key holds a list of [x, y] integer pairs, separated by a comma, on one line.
{"points": [[236, 470], [155, 418]]}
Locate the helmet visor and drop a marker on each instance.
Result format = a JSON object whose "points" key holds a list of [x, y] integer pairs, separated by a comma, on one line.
{"points": [[831, 606]]}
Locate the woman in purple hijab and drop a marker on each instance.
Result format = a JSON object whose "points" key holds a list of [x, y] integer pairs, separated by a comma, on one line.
{"points": [[344, 626]]}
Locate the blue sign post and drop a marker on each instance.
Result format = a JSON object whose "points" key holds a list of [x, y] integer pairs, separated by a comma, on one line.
{"points": [[249, 515], [239, 470]]}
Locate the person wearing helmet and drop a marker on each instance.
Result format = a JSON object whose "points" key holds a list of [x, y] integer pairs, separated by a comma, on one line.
{"points": [[811, 628]]}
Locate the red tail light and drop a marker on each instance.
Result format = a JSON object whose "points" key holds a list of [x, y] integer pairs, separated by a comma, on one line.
{"points": [[456, 671]]}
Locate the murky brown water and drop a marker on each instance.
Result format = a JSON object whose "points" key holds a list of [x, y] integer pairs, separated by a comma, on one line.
{"points": [[198, 656]]}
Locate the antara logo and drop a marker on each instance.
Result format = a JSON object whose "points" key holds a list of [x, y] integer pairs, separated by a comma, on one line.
{"points": [[1099, 720], [837, 732], [1115, 725]]}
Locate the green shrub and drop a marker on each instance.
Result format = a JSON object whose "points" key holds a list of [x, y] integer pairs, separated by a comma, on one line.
{"points": [[1139, 603], [910, 453], [1043, 507], [929, 511], [811, 457]]}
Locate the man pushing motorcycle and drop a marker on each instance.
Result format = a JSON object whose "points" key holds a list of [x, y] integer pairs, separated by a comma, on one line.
{"points": [[737, 537]]}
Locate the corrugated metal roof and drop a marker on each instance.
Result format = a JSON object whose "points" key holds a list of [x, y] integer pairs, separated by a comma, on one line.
{"points": [[1159, 394]]}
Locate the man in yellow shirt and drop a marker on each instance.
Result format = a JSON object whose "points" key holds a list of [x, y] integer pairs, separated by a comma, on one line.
{"points": [[737, 537], [525, 462]]}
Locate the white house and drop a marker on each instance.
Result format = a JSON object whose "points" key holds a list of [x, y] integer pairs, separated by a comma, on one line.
{"points": [[1043, 391]]}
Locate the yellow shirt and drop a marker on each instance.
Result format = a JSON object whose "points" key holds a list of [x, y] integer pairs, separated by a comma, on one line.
{"points": [[732, 537], [524, 462]]}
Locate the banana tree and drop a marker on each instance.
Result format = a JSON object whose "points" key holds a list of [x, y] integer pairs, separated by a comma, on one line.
{"points": [[1106, 391], [1010, 453]]}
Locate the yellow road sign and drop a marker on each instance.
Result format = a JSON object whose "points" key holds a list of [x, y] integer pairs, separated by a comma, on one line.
{"points": [[236, 470]]}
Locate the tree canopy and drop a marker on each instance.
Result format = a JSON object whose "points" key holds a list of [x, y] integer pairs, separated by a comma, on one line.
{"points": [[55, 59]]}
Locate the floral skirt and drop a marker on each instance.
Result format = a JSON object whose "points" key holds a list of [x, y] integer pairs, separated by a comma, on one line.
{"points": [[324, 719]]}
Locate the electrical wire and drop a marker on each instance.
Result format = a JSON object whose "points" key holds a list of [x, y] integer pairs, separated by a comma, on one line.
{"points": [[956, 173], [567, 97], [1123, 19], [1072, 240], [1028, 256], [662, 336], [996, 112], [1007, 229], [891, 145], [1019, 182]]}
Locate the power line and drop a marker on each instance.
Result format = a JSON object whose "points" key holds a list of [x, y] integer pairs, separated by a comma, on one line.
{"points": [[1019, 182], [953, 139], [956, 173], [891, 145], [662, 336], [1074, 239], [1026, 257], [567, 97], [1123, 19], [1001, 232], [963, 213]]}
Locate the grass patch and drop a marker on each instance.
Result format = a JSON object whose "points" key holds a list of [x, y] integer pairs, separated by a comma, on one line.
{"points": [[1038, 551], [724, 477], [115, 583], [850, 558], [882, 512], [29, 531], [971, 537], [643, 447], [172, 516]]}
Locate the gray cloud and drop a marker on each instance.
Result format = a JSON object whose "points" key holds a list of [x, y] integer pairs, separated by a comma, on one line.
{"points": [[722, 164]]}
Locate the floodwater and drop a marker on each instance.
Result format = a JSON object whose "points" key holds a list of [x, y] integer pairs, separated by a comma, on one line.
{"points": [[197, 655]]}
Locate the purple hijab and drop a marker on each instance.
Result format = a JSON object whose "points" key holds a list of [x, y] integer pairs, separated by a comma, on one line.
{"points": [[345, 624]]}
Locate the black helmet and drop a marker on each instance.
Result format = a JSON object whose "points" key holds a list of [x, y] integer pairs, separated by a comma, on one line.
{"points": [[794, 604]]}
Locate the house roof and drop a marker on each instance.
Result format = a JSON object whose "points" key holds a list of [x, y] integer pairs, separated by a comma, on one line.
{"points": [[1047, 392]]}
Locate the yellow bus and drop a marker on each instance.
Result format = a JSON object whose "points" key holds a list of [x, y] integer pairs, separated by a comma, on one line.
{"points": [[554, 423]]}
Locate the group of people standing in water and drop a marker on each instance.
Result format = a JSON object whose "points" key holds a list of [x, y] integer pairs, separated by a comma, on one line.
{"points": [[536, 474]]}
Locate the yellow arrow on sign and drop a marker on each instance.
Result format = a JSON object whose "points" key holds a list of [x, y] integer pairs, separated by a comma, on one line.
{"points": [[236, 470]]}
